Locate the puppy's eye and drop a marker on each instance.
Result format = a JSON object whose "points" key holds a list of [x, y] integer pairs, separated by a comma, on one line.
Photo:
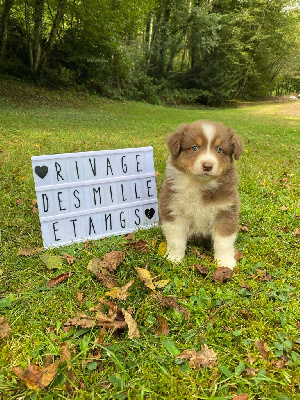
{"points": [[219, 150], [195, 148]]}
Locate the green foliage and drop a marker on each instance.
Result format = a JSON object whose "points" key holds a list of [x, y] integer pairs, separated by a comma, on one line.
{"points": [[153, 50]]}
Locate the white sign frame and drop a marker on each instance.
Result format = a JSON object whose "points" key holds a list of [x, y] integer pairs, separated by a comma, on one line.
{"points": [[96, 194]]}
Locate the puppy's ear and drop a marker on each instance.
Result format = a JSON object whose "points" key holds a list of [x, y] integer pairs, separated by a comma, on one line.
{"points": [[174, 141], [236, 143]]}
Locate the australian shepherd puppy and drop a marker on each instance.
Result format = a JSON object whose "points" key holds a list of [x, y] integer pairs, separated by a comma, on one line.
{"points": [[199, 195]]}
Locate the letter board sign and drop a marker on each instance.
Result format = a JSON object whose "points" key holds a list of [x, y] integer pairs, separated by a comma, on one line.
{"points": [[91, 195]]}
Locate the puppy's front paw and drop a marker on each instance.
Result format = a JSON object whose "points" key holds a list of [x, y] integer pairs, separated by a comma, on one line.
{"points": [[228, 263], [175, 256]]}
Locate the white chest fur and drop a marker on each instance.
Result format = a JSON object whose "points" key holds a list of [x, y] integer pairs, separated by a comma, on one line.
{"points": [[188, 206]]}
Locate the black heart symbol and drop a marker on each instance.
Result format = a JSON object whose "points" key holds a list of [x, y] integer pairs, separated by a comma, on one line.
{"points": [[41, 171], [149, 212]]}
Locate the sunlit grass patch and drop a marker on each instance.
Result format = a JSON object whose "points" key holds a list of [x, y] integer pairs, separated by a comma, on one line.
{"points": [[259, 303]]}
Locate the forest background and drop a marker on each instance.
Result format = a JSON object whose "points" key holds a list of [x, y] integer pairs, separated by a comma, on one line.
{"points": [[161, 51]]}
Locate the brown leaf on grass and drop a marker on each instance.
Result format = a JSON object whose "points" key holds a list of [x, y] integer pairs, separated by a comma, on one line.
{"points": [[241, 397], [113, 320], [163, 327], [120, 293], [282, 362], [243, 228], [70, 259], [79, 296], [35, 377], [261, 275], [298, 216], [84, 321], [296, 233], [206, 358], [66, 354], [238, 255], [250, 371], [95, 266], [298, 325], [139, 245], [250, 357], [286, 229], [199, 255], [145, 276], [199, 268], [112, 260], [170, 302], [133, 332], [263, 349], [34, 207], [5, 329], [129, 236], [28, 252], [245, 314], [222, 274], [58, 279]]}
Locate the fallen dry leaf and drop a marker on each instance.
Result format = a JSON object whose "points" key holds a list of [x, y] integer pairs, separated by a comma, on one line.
{"points": [[35, 377], [241, 397], [139, 245], [34, 207], [251, 358], [250, 371], [66, 354], [28, 252], [145, 276], [263, 349], [261, 275], [297, 232], [112, 260], [58, 279], [70, 259], [199, 268], [5, 329], [170, 302], [120, 292], [245, 314], [79, 296], [163, 327], [243, 228], [199, 255], [129, 236], [205, 358], [282, 362], [238, 255], [113, 320], [222, 274], [84, 321], [133, 332], [95, 266]]}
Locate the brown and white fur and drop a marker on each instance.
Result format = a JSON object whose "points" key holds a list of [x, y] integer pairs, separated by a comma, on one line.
{"points": [[199, 195]]}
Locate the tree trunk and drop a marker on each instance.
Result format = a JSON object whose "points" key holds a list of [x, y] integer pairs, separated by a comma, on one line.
{"points": [[38, 25], [3, 25]]}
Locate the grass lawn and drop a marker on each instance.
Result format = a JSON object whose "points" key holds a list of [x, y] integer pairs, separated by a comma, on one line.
{"points": [[251, 322]]}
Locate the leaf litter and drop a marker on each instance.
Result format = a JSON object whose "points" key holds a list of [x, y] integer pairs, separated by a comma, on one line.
{"points": [[206, 358]]}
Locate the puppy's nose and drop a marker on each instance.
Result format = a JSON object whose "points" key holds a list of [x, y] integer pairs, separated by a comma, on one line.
{"points": [[207, 166]]}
